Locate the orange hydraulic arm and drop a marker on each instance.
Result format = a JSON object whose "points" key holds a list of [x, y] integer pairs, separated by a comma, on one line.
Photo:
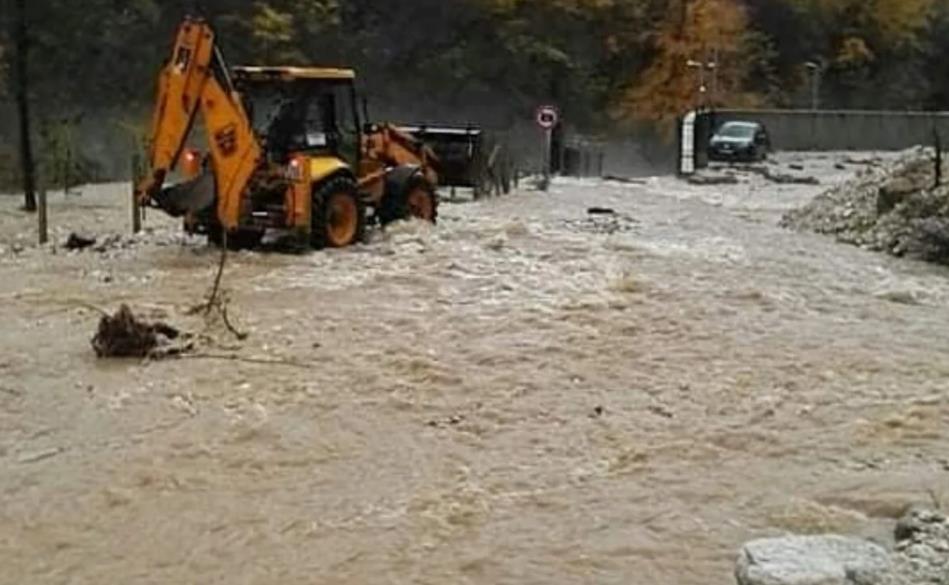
{"points": [[197, 78], [391, 147]]}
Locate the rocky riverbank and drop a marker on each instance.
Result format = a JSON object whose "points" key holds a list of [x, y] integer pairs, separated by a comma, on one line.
{"points": [[922, 548], [920, 557], [894, 207]]}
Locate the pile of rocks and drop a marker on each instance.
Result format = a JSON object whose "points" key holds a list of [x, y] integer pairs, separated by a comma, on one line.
{"points": [[922, 548], [919, 557], [895, 208]]}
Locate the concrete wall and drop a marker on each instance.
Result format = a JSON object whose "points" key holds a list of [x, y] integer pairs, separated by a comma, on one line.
{"points": [[843, 130]]}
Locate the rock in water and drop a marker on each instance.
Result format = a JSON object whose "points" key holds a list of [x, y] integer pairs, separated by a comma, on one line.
{"points": [[123, 335], [812, 560]]}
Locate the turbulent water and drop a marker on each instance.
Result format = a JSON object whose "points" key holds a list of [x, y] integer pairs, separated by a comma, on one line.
{"points": [[526, 393]]}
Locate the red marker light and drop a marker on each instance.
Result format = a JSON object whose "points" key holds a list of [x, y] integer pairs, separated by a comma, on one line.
{"points": [[191, 163], [295, 169]]}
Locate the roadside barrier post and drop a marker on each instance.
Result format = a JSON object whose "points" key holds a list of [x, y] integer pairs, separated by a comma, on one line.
{"points": [[41, 215], [136, 207]]}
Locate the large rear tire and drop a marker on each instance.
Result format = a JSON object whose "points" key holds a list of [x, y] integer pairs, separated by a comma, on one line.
{"points": [[418, 200], [339, 215]]}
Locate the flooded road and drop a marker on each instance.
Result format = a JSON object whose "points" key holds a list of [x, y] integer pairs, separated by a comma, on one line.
{"points": [[526, 393]]}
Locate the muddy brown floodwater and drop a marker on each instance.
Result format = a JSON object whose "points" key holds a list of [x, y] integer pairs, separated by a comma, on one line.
{"points": [[523, 394]]}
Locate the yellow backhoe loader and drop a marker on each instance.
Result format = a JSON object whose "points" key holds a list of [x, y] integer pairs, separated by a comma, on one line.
{"points": [[286, 150]]}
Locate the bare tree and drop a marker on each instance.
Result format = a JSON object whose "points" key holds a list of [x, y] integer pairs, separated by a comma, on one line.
{"points": [[27, 164]]}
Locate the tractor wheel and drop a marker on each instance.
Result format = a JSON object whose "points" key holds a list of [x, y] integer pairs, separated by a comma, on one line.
{"points": [[339, 215], [236, 240], [422, 202], [419, 200]]}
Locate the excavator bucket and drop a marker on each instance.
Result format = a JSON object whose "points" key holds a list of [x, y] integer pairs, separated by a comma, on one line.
{"points": [[192, 196]]}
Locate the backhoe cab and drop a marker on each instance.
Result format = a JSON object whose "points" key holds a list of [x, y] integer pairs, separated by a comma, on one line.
{"points": [[286, 151]]}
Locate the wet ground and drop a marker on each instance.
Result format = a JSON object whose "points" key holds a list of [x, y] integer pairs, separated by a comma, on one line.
{"points": [[526, 393]]}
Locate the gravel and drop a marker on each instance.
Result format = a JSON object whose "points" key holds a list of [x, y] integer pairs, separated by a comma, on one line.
{"points": [[890, 207], [920, 556], [922, 548]]}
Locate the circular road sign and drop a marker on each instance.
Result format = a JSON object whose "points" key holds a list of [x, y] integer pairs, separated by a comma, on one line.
{"points": [[547, 117]]}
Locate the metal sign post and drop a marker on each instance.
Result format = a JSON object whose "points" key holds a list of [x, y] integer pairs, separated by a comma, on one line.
{"points": [[547, 118]]}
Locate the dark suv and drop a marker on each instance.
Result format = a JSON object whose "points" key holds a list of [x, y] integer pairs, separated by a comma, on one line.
{"points": [[746, 141]]}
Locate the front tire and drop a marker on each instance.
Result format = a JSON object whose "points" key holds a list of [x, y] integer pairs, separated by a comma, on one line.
{"points": [[239, 239], [339, 215], [418, 200]]}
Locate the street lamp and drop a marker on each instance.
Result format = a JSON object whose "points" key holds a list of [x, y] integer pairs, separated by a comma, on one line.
{"points": [[815, 70], [701, 68]]}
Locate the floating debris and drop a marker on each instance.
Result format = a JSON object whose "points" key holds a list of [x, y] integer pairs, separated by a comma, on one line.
{"points": [[77, 242], [124, 335]]}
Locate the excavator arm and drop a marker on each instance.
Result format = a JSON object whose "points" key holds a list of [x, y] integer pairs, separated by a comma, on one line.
{"points": [[197, 79]]}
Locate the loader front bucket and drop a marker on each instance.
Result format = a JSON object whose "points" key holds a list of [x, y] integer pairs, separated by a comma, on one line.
{"points": [[186, 197]]}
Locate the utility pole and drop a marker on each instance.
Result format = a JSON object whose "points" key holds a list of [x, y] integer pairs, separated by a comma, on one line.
{"points": [[136, 204], [700, 71], [27, 164], [713, 67]]}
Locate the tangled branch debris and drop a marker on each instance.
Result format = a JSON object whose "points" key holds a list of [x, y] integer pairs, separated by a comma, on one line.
{"points": [[77, 242], [124, 335], [217, 300]]}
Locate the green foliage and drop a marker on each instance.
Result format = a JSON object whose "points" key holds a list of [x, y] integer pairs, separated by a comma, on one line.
{"points": [[493, 61], [273, 33], [874, 52], [63, 162], [704, 53]]}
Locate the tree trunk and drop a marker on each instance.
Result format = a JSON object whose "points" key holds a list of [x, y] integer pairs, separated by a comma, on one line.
{"points": [[27, 164]]}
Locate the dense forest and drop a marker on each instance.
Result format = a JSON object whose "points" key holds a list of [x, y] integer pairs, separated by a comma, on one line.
{"points": [[606, 63]]}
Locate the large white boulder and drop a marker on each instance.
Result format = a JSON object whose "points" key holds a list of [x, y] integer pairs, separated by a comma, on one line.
{"points": [[813, 560]]}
